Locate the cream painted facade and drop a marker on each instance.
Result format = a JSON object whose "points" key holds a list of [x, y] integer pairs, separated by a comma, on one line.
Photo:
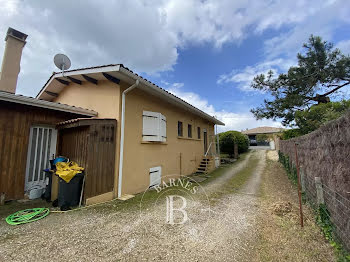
{"points": [[103, 98], [139, 156], [106, 100]]}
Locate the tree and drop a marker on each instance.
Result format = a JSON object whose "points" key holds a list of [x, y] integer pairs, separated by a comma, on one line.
{"points": [[229, 138], [313, 118], [322, 70]]}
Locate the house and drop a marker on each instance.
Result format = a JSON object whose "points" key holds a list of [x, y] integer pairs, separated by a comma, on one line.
{"points": [[159, 135], [156, 135], [264, 130]]}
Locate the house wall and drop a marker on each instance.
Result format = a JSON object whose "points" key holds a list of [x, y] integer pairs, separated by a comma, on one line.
{"points": [[140, 156], [15, 123], [104, 98]]}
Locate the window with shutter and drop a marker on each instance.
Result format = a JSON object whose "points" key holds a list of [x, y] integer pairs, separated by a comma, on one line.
{"points": [[154, 127], [162, 128]]}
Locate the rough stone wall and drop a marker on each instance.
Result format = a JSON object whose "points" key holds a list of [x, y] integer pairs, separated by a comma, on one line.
{"points": [[325, 153]]}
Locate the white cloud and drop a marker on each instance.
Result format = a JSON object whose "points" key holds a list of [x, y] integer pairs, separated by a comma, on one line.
{"points": [[243, 78], [322, 22], [233, 121], [344, 46], [144, 35], [280, 51]]}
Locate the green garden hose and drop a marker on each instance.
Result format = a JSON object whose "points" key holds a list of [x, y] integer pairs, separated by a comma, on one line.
{"points": [[27, 216]]}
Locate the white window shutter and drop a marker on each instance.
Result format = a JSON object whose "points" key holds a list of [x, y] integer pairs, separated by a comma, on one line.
{"points": [[154, 127], [162, 121], [155, 176], [150, 129]]}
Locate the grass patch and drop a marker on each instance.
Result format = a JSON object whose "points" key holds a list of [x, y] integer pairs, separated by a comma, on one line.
{"points": [[237, 181], [150, 196], [223, 168], [280, 236]]}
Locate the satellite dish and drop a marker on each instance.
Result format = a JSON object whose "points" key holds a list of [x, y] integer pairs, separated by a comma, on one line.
{"points": [[62, 62]]}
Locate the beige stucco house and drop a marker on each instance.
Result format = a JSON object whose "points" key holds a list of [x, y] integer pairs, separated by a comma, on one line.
{"points": [[158, 135]]}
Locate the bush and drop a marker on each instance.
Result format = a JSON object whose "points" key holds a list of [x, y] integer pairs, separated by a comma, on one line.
{"points": [[229, 138], [311, 119], [290, 133]]}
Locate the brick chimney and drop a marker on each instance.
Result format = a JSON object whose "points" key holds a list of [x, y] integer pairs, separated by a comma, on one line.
{"points": [[15, 41]]}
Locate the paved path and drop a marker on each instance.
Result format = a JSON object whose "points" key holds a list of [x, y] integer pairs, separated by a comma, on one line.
{"points": [[226, 233]]}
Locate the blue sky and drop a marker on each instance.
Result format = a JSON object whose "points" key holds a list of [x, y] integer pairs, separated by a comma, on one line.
{"points": [[205, 51]]}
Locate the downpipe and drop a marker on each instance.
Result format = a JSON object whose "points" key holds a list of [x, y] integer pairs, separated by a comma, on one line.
{"points": [[121, 150]]}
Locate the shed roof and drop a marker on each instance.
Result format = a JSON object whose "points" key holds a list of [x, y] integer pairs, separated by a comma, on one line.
{"points": [[263, 130], [85, 122], [31, 101], [118, 72]]}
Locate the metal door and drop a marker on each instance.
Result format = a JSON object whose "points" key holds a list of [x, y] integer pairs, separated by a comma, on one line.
{"points": [[41, 148]]}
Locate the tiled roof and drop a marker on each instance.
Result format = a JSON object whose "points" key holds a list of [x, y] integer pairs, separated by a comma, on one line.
{"points": [[263, 130]]}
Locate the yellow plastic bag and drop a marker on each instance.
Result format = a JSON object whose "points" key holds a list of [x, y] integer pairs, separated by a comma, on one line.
{"points": [[67, 171]]}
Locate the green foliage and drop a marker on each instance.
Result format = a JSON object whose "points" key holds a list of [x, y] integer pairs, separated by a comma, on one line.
{"points": [[323, 219], [311, 119], [262, 137], [229, 138], [321, 71], [290, 133], [290, 168]]}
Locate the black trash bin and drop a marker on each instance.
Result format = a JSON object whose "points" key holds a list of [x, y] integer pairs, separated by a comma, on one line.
{"points": [[69, 193], [48, 181]]}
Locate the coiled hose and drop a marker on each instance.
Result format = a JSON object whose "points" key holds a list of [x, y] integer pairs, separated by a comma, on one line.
{"points": [[27, 216]]}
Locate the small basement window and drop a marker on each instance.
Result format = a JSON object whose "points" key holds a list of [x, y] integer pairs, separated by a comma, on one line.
{"points": [[179, 128], [189, 131], [155, 176], [154, 127], [198, 132]]}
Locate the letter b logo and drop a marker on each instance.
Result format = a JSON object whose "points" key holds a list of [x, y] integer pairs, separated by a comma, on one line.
{"points": [[170, 210]]}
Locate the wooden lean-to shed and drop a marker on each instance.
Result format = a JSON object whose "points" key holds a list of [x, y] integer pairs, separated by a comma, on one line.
{"points": [[92, 144], [28, 140]]}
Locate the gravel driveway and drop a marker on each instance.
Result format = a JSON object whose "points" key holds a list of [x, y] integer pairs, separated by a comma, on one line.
{"points": [[226, 233]]}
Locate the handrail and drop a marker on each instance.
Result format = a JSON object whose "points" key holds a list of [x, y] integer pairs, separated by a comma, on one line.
{"points": [[208, 149]]}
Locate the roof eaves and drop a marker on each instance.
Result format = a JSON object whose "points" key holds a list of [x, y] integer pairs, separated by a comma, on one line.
{"points": [[121, 68], [31, 101]]}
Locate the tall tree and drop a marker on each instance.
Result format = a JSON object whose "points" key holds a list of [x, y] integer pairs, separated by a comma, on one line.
{"points": [[321, 71]]}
